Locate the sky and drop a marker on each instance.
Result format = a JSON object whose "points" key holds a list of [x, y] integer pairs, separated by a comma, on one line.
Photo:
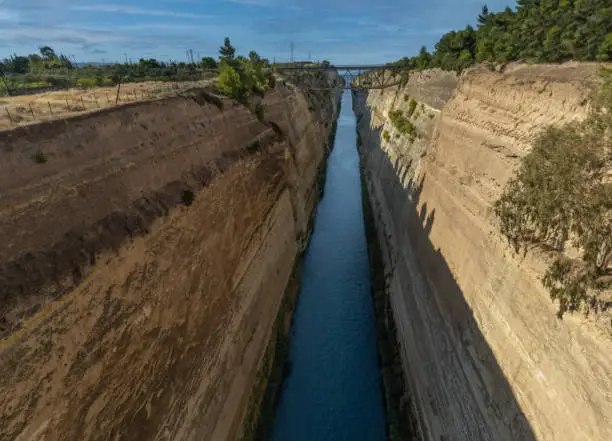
{"points": [[341, 31]]}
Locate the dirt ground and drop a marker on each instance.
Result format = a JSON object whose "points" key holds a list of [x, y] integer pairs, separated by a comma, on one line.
{"points": [[31, 109]]}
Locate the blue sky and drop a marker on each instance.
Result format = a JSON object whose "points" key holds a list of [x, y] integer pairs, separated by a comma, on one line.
{"points": [[342, 31]]}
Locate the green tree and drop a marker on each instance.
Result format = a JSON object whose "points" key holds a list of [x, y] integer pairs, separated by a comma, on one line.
{"points": [[560, 195], [227, 52], [605, 50], [230, 84], [48, 53], [208, 63]]}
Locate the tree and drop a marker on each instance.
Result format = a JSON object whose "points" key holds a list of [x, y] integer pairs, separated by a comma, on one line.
{"points": [[208, 63], [560, 195], [229, 83], [227, 51], [424, 59], [48, 53], [254, 57], [484, 16], [17, 64], [605, 50]]}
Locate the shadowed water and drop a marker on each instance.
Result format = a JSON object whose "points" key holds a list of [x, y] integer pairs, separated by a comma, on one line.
{"points": [[333, 390]]}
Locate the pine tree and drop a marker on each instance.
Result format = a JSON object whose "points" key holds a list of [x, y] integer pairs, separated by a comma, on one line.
{"points": [[483, 17], [227, 52]]}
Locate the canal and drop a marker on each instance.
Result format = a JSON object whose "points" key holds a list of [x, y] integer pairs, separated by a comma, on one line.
{"points": [[333, 389]]}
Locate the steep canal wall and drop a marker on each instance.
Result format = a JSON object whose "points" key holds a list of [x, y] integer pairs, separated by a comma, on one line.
{"points": [[484, 356], [146, 253]]}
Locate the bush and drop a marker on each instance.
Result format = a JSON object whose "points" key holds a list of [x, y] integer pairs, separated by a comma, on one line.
{"points": [[386, 136], [87, 83], [411, 107], [40, 157], [107, 82], [559, 196], [260, 112], [229, 83], [401, 124]]}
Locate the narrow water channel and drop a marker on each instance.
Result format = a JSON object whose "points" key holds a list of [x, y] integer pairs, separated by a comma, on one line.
{"points": [[333, 390]]}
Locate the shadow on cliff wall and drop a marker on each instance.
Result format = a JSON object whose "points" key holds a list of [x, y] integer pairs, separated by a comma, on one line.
{"points": [[487, 383]]}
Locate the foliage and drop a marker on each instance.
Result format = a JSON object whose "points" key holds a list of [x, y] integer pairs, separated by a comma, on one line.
{"points": [[561, 197], [411, 107], [40, 157], [386, 136], [229, 83], [227, 51], [260, 112], [209, 63], [401, 124], [87, 83], [47, 67], [241, 77], [537, 31]]}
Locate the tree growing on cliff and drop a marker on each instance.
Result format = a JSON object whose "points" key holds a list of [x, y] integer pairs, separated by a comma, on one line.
{"points": [[229, 83], [562, 198], [241, 77]]}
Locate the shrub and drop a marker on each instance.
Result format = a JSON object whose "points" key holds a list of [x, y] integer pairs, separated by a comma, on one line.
{"points": [[260, 112], [560, 195], [187, 197], [411, 107], [406, 97], [403, 125], [87, 83], [386, 136], [107, 82], [229, 83], [40, 157]]}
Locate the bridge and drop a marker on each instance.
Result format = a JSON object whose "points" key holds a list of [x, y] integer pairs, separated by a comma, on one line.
{"points": [[353, 77]]}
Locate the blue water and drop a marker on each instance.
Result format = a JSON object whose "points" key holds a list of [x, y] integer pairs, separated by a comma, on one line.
{"points": [[333, 391]]}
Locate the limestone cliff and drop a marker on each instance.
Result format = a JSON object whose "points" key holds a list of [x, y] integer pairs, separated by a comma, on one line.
{"points": [[484, 355], [145, 253]]}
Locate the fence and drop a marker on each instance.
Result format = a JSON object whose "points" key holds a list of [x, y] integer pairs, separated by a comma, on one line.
{"points": [[30, 109]]}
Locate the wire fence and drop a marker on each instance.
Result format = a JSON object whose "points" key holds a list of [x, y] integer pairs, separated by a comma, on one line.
{"points": [[31, 109]]}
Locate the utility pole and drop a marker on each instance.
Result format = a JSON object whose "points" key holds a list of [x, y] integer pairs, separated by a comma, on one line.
{"points": [[292, 46], [309, 56]]}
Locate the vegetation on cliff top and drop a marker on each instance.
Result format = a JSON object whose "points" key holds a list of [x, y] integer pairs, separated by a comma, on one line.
{"points": [[536, 31], [49, 69], [240, 77], [562, 198]]}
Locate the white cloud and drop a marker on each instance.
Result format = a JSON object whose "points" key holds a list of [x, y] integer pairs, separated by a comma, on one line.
{"points": [[119, 9]]}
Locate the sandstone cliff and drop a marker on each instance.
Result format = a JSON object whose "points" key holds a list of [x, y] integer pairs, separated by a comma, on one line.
{"points": [[484, 354], [145, 253]]}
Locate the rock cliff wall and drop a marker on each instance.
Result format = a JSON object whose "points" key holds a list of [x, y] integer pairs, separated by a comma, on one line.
{"points": [[145, 253], [484, 355]]}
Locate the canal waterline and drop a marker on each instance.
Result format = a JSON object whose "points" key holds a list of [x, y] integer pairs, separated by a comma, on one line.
{"points": [[333, 390]]}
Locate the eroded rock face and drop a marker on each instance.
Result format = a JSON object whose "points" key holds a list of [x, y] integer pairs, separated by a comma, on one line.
{"points": [[144, 262], [484, 354]]}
